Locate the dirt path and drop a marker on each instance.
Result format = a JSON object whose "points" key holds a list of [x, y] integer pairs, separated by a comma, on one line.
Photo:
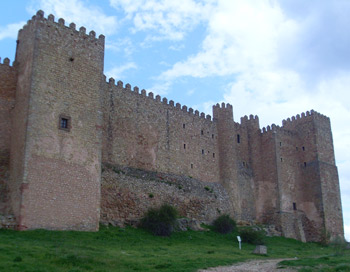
{"points": [[251, 266]]}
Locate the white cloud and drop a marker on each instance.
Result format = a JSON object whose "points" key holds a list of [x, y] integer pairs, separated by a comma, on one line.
{"points": [[167, 18], [124, 45], [347, 231], [190, 92], [11, 30], [117, 71], [160, 89], [91, 17]]}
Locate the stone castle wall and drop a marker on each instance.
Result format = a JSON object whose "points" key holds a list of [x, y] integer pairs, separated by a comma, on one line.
{"points": [[8, 80], [156, 150], [144, 132]]}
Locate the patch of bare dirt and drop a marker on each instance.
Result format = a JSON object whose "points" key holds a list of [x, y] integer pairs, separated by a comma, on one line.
{"points": [[252, 266]]}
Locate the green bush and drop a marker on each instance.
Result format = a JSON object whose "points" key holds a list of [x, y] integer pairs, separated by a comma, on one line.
{"points": [[160, 221], [224, 224], [251, 236]]}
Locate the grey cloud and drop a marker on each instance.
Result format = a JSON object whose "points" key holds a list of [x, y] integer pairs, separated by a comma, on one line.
{"points": [[320, 47]]}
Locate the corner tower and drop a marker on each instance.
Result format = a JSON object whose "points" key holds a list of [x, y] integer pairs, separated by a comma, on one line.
{"points": [[56, 146], [317, 192]]}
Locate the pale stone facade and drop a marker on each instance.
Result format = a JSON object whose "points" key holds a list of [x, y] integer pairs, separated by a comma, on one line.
{"points": [[60, 122]]}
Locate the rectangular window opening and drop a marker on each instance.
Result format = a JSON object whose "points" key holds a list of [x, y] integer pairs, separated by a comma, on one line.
{"points": [[64, 122], [202, 132], [184, 146], [212, 136], [202, 151], [303, 148], [191, 165], [213, 155], [183, 125], [294, 206], [238, 138]]}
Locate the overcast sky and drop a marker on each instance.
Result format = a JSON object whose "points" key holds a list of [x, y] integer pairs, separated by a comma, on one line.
{"points": [[274, 59]]}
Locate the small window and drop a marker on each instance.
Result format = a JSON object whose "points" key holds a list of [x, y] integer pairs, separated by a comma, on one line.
{"points": [[64, 122], [303, 148], [202, 132], [294, 206], [191, 165], [243, 163], [203, 151], [213, 155], [281, 159], [212, 136], [184, 146], [304, 164], [280, 143], [183, 125], [238, 138], [296, 148]]}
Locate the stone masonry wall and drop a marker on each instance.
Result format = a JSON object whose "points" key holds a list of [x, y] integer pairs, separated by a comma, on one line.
{"points": [[128, 193], [8, 80], [144, 132]]}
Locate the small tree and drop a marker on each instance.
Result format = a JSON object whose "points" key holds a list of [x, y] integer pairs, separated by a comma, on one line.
{"points": [[160, 221], [224, 224]]}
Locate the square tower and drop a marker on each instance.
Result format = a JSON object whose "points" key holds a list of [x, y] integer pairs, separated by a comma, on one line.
{"points": [[56, 127]]}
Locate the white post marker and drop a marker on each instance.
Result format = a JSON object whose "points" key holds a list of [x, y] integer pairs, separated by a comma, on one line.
{"points": [[239, 241]]}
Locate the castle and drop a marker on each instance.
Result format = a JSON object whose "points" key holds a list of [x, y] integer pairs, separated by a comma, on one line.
{"points": [[76, 150]]}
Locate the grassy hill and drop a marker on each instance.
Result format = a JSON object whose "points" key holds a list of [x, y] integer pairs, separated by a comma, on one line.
{"points": [[117, 249]]}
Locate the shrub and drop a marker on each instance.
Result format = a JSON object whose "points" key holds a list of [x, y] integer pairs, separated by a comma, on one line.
{"points": [[224, 224], [251, 236], [160, 221]]}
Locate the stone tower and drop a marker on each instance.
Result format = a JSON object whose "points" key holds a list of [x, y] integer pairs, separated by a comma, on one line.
{"points": [[56, 123], [316, 194], [228, 163]]}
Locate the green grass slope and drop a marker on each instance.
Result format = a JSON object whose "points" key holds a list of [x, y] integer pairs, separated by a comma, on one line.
{"points": [[116, 249]]}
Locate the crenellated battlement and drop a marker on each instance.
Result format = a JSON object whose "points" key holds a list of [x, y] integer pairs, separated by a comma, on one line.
{"points": [[250, 122], [50, 21], [223, 111], [150, 95], [6, 62], [223, 106], [276, 129], [302, 118]]}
